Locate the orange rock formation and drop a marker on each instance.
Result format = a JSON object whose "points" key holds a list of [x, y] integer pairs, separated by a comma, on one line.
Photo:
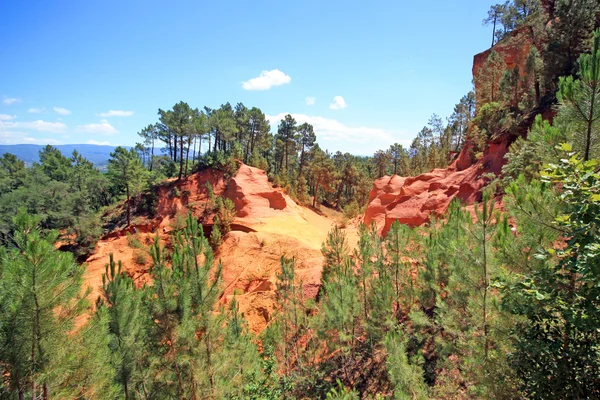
{"points": [[269, 225]]}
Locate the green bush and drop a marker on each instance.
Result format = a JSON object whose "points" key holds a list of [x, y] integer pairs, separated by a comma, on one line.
{"points": [[179, 222], [140, 258], [134, 242], [352, 210]]}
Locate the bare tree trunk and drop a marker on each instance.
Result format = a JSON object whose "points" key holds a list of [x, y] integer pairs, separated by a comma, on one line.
{"points": [[152, 156], [174, 148], [128, 205], [590, 121], [339, 194], [187, 154], [180, 158], [301, 162]]}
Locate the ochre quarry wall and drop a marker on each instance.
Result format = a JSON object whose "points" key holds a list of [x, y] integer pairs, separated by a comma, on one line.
{"points": [[513, 49], [413, 201]]}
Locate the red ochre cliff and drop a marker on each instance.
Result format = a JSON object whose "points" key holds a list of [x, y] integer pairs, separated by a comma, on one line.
{"points": [[414, 200]]}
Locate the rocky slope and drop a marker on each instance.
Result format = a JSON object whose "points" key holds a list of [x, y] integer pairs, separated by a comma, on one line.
{"points": [[269, 225], [413, 201]]}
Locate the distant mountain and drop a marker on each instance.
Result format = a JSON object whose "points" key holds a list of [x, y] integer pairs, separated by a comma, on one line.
{"points": [[29, 153]]}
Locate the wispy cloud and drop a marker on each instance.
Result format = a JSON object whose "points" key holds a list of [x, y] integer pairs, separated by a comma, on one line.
{"points": [[103, 128], [39, 141], [116, 113], [6, 117], [338, 103], [61, 111], [9, 137], [266, 80], [334, 135], [39, 126], [310, 101], [13, 132], [10, 100], [36, 110], [98, 143]]}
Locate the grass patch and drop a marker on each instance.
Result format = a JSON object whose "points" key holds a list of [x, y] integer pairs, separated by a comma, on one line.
{"points": [[134, 242], [140, 258]]}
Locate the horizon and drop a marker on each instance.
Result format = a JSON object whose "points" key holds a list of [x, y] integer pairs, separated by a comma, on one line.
{"points": [[83, 74]]}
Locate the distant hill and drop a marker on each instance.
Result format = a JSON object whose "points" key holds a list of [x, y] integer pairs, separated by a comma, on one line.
{"points": [[29, 153]]}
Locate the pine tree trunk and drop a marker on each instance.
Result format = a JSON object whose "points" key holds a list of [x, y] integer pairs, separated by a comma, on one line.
{"points": [[174, 148], [286, 156], [485, 285], [494, 32], [590, 121], [187, 154], [152, 156], [316, 193], [128, 206], [180, 158], [339, 195], [301, 162]]}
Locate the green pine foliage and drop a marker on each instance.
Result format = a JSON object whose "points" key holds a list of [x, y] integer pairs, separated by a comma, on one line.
{"points": [[40, 298], [486, 302]]}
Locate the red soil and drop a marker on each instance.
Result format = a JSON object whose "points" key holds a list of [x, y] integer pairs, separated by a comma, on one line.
{"points": [[269, 225]]}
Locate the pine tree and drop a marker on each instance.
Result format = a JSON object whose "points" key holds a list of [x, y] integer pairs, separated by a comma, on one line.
{"points": [[487, 79], [398, 155], [321, 172], [287, 133], [380, 161], [556, 346], [40, 297], [405, 373], [580, 101], [126, 172], [127, 326]]}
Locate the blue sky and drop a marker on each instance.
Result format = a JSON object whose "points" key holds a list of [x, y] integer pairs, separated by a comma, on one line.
{"points": [[365, 74]]}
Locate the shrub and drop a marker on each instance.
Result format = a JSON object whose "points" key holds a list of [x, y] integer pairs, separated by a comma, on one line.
{"points": [[134, 242], [140, 258], [179, 222], [226, 213], [175, 192], [216, 238], [351, 210]]}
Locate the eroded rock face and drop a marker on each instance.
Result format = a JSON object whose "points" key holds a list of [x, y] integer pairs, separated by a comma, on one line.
{"points": [[413, 201], [514, 49], [253, 195]]}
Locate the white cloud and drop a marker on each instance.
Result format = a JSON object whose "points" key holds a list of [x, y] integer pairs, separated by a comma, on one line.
{"points": [[116, 113], [36, 110], [39, 126], [266, 80], [103, 128], [10, 100], [97, 143], [6, 117], [61, 111], [338, 103], [14, 137], [334, 135], [310, 101], [39, 141], [14, 132]]}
